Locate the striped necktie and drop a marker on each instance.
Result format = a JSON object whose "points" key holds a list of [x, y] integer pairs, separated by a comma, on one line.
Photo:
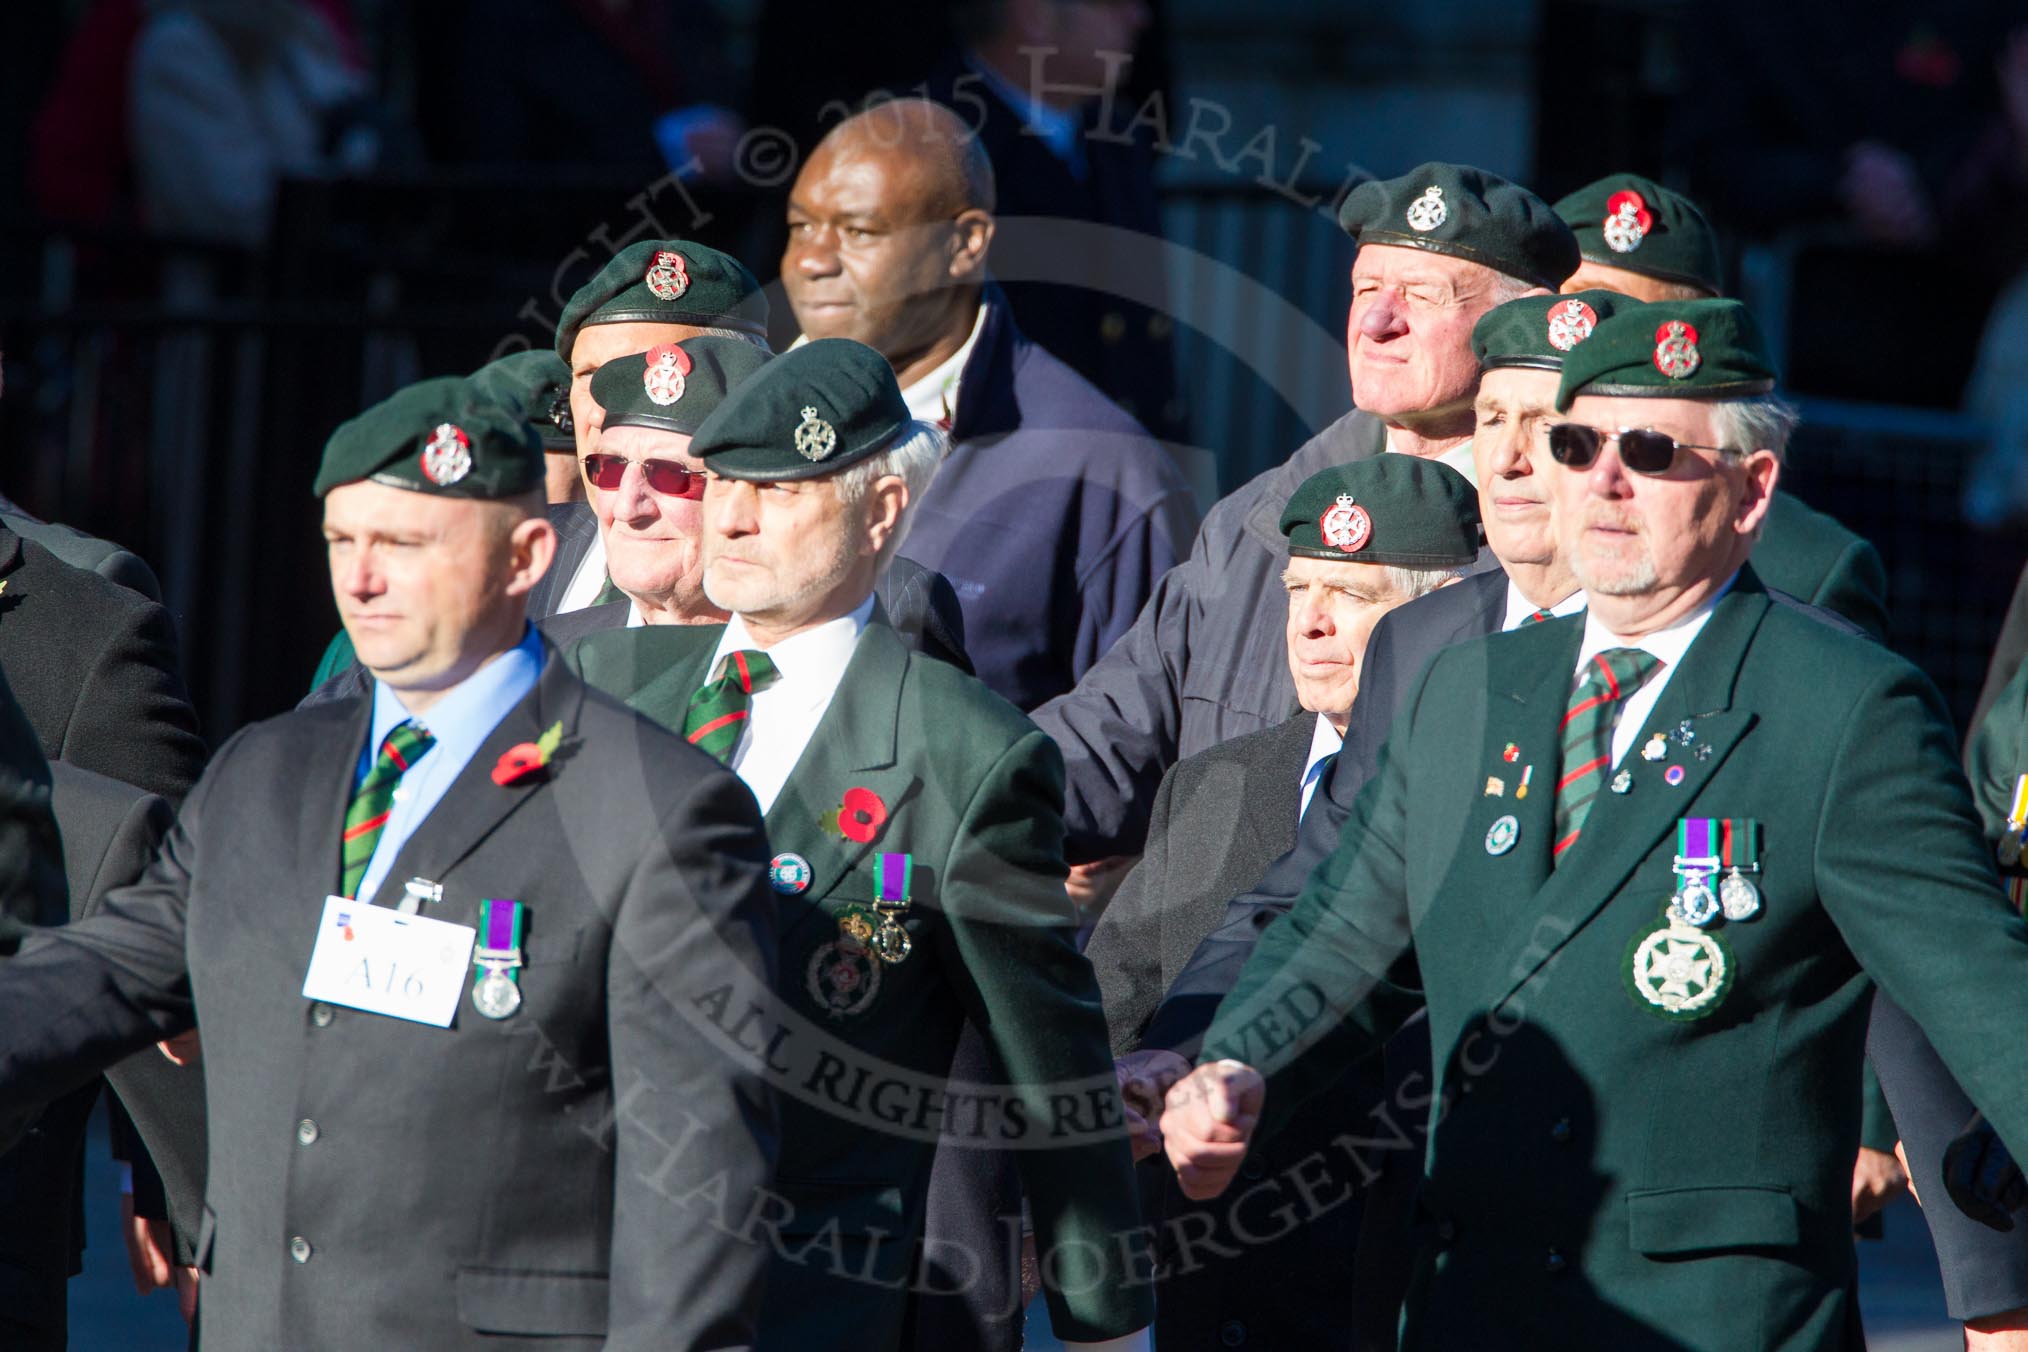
{"points": [[718, 710], [1538, 617], [1607, 683], [608, 594], [373, 801]]}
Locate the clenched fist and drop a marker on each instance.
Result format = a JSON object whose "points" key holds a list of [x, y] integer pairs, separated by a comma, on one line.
{"points": [[1209, 1118]]}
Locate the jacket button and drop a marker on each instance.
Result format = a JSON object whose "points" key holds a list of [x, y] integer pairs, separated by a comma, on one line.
{"points": [[321, 1014], [1232, 1333], [1561, 1132], [306, 1132], [299, 1249], [1555, 1262]]}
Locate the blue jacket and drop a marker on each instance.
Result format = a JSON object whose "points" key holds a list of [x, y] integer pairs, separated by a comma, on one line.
{"points": [[1054, 516]]}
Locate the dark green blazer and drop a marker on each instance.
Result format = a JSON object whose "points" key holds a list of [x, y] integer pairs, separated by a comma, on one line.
{"points": [[1605, 1175], [1814, 558], [974, 792]]}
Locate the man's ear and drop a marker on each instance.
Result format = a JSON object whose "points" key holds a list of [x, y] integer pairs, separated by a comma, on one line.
{"points": [[973, 231], [1763, 471], [531, 549], [885, 502]]}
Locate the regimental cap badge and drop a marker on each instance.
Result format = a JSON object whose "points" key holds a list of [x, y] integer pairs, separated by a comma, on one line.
{"points": [[815, 438], [1570, 323], [558, 413], [1676, 354], [667, 277], [1346, 525], [447, 455], [1428, 211], [1627, 221], [663, 376]]}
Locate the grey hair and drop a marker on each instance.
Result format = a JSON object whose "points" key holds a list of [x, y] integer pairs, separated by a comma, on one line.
{"points": [[1762, 423], [1414, 583], [758, 340], [914, 455]]}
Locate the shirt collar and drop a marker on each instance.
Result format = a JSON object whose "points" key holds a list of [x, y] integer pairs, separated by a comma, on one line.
{"points": [[1519, 607], [812, 662], [1668, 644], [469, 710], [1325, 742], [934, 398]]}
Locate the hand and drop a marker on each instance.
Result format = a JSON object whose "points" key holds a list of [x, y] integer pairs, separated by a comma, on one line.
{"points": [[1090, 886], [148, 1248], [1209, 1118], [186, 1293], [1901, 1158], [1885, 195], [1145, 1078], [1877, 1179], [1980, 1174], [185, 1049]]}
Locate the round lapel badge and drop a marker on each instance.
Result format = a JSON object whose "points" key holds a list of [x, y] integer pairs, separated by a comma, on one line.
{"points": [[1502, 834], [789, 874]]}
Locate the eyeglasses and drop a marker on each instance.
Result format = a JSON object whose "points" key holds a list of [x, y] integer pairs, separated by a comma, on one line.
{"points": [[1642, 450], [665, 477]]}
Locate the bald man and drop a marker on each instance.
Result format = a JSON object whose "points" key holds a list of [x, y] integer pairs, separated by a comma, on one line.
{"points": [[1056, 512]]}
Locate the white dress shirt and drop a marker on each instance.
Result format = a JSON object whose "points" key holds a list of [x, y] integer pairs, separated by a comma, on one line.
{"points": [[1668, 644], [1458, 458], [783, 714], [1325, 742], [934, 398], [589, 579], [1519, 607]]}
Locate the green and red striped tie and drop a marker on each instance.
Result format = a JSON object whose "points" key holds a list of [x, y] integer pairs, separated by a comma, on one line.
{"points": [[373, 800], [1604, 687], [718, 710]]}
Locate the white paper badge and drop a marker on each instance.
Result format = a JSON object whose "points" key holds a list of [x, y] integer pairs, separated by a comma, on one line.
{"points": [[379, 960]]}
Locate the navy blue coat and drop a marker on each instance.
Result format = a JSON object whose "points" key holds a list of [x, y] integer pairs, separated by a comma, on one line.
{"points": [[1054, 516]]}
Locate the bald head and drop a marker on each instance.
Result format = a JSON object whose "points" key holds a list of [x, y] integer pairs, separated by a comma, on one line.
{"points": [[889, 224]]}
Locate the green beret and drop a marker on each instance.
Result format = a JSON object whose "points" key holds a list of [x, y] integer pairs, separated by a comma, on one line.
{"points": [[811, 411], [442, 436], [1468, 213], [1625, 221], [666, 281], [1672, 349], [538, 383], [1535, 331], [1398, 509], [676, 386]]}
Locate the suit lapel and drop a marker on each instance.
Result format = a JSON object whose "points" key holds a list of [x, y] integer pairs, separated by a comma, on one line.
{"points": [[474, 806], [333, 736], [855, 745], [1622, 829]]}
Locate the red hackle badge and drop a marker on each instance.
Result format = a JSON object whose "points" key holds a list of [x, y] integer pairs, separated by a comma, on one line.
{"points": [[447, 455], [1676, 354], [860, 817], [526, 761], [667, 366], [667, 278], [1570, 323], [1627, 221], [1346, 526]]}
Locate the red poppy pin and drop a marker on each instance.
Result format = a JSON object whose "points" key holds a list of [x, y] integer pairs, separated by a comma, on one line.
{"points": [[859, 817], [527, 760]]}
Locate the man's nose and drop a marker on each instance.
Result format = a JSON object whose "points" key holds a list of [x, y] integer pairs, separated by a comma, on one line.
{"points": [[1383, 317]]}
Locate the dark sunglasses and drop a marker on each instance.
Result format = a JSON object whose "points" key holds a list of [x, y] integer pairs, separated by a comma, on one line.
{"points": [[1642, 450], [665, 477]]}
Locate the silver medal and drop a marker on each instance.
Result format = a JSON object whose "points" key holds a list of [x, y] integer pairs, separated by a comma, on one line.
{"points": [[891, 941], [1739, 897], [497, 995], [1694, 903]]}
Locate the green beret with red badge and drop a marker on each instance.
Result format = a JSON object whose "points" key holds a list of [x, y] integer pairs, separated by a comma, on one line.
{"points": [[666, 281], [812, 411], [538, 382], [1679, 349], [1394, 509], [1626, 221], [1536, 332], [445, 436], [1467, 213], [676, 386]]}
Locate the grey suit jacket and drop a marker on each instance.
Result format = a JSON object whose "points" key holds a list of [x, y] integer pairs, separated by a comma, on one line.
{"points": [[399, 1185]]}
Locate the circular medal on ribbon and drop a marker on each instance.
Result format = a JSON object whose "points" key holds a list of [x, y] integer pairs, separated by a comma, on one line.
{"points": [[1739, 897], [1678, 972], [496, 995]]}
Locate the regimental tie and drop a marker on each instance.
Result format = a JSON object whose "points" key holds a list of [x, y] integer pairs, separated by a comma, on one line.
{"points": [[373, 801], [1607, 683], [718, 710], [1537, 617]]}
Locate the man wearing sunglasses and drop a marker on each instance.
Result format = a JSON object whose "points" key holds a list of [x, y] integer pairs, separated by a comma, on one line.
{"points": [[1646, 978]]}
